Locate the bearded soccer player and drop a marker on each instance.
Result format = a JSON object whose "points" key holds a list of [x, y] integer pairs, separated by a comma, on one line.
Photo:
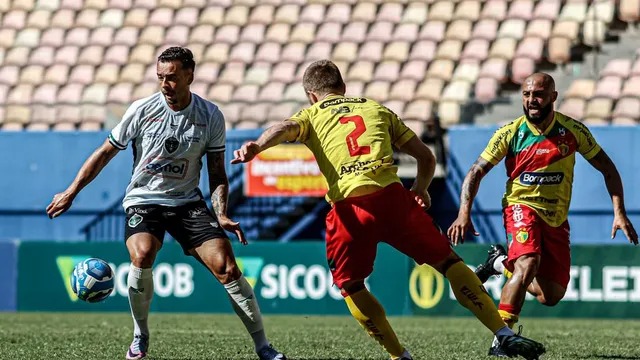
{"points": [[352, 140], [539, 150], [171, 131]]}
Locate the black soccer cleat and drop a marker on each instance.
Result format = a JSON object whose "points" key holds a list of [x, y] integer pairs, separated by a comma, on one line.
{"points": [[514, 345], [497, 351], [486, 270]]}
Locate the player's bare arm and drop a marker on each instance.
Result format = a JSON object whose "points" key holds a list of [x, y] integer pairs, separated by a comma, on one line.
{"points": [[426, 168], [287, 130], [607, 168], [219, 186], [470, 187], [90, 169]]}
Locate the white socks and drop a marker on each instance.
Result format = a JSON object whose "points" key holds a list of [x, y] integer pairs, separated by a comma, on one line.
{"points": [[498, 264], [246, 306], [140, 284]]}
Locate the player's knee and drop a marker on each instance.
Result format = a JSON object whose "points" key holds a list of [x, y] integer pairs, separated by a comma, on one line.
{"points": [[226, 272], [351, 287], [142, 256], [549, 300], [526, 267]]}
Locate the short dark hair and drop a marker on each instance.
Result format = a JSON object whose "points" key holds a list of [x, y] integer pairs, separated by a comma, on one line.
{"points": [[182, 54], [322, 77]]}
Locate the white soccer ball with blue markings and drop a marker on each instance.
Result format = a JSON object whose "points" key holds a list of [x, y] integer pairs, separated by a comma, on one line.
{"points": [[92, 280]]}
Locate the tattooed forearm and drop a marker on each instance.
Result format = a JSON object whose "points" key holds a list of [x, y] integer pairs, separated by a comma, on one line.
{"points": [[218, 183], [219, 198], [471, 184]]}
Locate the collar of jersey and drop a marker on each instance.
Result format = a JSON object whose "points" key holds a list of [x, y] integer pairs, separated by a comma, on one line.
{"points": [[183, 111], [535, 131]]}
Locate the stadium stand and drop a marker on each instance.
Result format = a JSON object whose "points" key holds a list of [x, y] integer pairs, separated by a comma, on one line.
{"points": [[69, 65], [417, 57]]}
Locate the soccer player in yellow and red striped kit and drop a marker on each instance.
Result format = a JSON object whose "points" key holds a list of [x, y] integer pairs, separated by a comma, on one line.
{"points": [[351, 139], [539, 149]]}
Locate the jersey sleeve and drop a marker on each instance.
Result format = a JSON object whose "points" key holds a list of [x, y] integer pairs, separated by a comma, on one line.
{"points": [[303, 118], [400, 133], [498, 146], [587, 144], [127, 129], [217, 133]]}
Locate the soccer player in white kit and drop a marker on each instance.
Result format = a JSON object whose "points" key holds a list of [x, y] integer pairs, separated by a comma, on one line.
{"points": [[170, 131]]}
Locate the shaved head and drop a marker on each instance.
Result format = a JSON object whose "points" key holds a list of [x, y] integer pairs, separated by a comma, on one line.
{"points": [[538, 95], [544, 79]]}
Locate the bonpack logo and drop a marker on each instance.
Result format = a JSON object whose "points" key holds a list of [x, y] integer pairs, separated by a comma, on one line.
{"points": [[250, 267], [65, 266]]}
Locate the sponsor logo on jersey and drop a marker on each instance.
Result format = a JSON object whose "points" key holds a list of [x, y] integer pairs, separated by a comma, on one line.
{"points": [[541, 178], [343, 100], [517, 216], [341, 110], [171, 144], [538, 199], [496, 144], [167, 167], [548, 213]]}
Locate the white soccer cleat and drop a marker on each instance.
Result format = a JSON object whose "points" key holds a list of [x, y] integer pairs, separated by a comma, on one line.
{"points": [[138, 348]]}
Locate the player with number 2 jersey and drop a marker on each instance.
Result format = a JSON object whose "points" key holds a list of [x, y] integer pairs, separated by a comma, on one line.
{"points": [[352, 139]]}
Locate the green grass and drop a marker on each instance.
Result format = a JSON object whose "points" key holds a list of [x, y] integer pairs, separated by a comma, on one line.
{"points": [[206, 336]]}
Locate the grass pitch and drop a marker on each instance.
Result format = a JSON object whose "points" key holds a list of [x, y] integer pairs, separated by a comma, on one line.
{"points": [[213, 336]]}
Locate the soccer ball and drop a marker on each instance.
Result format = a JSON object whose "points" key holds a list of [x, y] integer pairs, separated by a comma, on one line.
{"points": [[92, 280]]}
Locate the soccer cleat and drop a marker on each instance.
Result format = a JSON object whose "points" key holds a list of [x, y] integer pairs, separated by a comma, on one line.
{"points": [[514, 345], [497, 351], [405, 356], [486, 270], [138, 348], [269, 353]]}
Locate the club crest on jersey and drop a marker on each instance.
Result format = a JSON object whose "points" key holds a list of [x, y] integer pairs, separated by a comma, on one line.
{"points": [[522, 236], [171, 144], [563, 148], [135, 220]]}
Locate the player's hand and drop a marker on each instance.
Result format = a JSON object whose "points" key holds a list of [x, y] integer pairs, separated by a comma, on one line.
{"points": [[622, 222], [459, 228], [61, 202], [234, 227], [422, 198], [246, 153]]}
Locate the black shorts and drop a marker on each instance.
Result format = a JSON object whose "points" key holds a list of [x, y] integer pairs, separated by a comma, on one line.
{"points": [[190, 224]]}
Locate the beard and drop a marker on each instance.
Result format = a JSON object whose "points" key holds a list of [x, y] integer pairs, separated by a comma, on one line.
{"points": [[543, 112]]}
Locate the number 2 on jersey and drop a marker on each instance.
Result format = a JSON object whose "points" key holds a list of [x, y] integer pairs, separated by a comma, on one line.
{"points": [[352, 138]]}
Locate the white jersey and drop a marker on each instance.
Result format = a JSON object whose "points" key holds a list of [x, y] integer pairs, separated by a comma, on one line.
{"points": [[167, 148]]}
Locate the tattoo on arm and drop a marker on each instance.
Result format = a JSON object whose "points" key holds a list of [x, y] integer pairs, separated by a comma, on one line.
{"points": [[218, 183], [471, 182], [470, 186]]}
